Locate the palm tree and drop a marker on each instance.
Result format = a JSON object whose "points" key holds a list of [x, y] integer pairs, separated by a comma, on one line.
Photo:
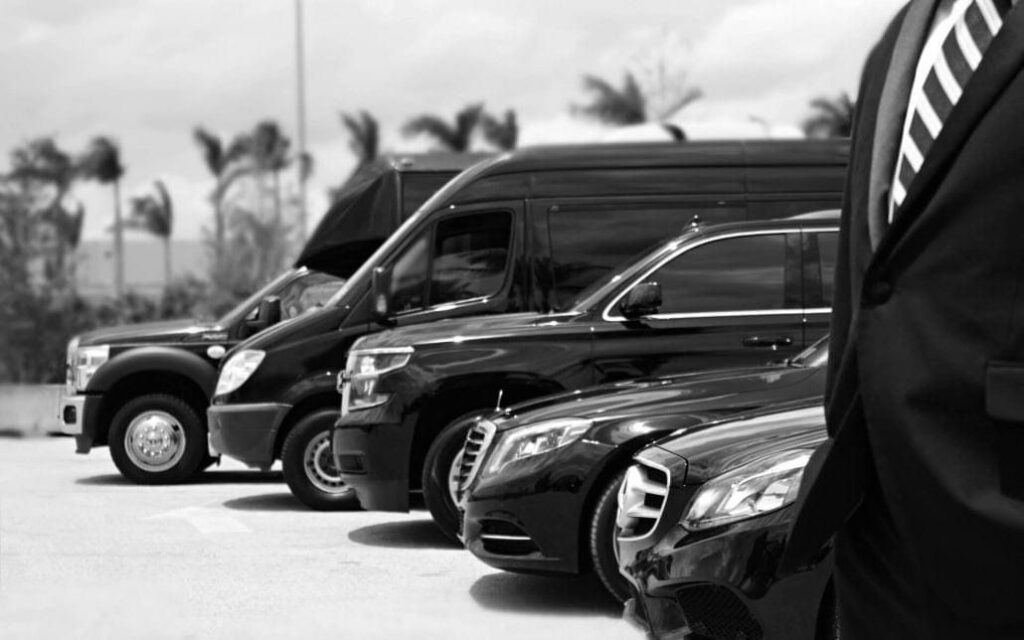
{"points": [[454, 137], [630, 106], [219, 162], [364, 136], [831, 118], [102, 162], [504, 133], [155, 214]]}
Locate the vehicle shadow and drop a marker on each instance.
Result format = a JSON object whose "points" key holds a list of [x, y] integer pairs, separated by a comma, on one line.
{"points": [[518, 593], [207, 477], [267, 502], [407, 534]]}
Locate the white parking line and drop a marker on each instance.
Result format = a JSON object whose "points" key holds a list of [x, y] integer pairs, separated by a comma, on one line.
{"points": [[206, 520]]}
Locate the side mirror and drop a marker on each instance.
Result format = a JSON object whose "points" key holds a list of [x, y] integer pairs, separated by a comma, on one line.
{"points": [[380, 296], [269, 314], [642, 300]]}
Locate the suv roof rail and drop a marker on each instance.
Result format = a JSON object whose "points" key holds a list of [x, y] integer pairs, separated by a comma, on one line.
{"points": [[823, 214]]}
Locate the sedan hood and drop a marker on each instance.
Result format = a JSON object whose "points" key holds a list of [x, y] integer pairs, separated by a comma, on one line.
{"points": [[714, 448], [146, 332], [715, 391], [460, 330]]}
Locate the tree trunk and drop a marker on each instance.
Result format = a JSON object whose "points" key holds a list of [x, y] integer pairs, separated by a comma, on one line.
{"points": [[277, 200], [118, 243], [167, 261]]}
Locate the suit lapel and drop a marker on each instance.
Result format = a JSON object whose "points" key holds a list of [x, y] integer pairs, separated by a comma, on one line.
{"points": [[892, 113], [1002, 62]]}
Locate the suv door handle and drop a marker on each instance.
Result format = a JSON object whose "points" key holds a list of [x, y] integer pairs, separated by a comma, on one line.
{"points": [[772, 343]]}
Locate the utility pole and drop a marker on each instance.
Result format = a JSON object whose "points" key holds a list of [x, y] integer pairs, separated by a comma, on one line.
{"points": [[300, 81]]}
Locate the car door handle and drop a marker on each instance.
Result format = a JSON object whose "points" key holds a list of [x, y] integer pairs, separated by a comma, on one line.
{"points": [[772, 343]]}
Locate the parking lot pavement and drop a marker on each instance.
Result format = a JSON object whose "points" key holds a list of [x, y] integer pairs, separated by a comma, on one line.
{"points": [[85, 554]]}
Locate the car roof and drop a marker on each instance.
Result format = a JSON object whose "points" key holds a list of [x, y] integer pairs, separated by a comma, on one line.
{"points": [[433, 161], [824, 218], [716, 153]]}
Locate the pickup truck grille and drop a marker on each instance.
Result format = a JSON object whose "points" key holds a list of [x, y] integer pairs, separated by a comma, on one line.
{"points": [[641, 500], [473, 452]]}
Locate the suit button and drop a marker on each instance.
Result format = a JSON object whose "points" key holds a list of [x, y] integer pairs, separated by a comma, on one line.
{"points": [[877, 292]]}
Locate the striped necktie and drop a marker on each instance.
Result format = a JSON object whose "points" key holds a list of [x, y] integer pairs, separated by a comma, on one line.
{"points": [[961, 53]]}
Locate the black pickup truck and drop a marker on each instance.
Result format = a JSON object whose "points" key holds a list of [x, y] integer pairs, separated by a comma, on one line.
{"points": [[718, 296], [143, 389]]}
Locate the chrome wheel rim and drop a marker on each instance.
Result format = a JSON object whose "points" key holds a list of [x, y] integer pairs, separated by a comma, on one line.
{"points": [[319, 464], [154, 441], [453, 478]]}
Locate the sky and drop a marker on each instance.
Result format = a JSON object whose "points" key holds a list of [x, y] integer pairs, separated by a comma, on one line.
{"points": [[146, 72]]}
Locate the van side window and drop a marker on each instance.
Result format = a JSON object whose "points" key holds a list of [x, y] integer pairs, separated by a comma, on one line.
{"points": [[827, 246], [409, 277], [589, 241], [470, 256], [746, 273]]}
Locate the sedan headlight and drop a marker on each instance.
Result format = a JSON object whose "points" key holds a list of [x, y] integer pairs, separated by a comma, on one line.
{"points": [[751, 490], [363, 371], [238, 369], [83, 363], [543, 437]]}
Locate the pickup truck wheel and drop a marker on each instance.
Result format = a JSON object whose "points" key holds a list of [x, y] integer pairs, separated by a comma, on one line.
{"points": [[308, 465], [157, 439], [603, 554], [439, 468]]}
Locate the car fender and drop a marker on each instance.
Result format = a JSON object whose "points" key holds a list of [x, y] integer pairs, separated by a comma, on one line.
{"points": [[163, 359]]}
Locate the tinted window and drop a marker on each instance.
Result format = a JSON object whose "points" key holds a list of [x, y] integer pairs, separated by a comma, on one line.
{"points": [[409, 277], [470, 256], [587, 243], [827, 245], [736, 274], [309, 292]]}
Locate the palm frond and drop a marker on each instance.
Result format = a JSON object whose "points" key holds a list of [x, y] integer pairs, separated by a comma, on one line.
{"points": [[102, 161], [212, 148]]}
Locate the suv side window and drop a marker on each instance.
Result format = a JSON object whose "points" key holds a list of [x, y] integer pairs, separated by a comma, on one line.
{"points": [[588, 241], [745, 273], [470, 259]]}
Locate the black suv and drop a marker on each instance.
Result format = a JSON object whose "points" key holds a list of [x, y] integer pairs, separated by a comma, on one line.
{"points": [[718, 296]]}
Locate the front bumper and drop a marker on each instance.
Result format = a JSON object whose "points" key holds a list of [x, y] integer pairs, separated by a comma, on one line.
{"points": [[723, 583], [373, 458], [529, 519], [246, 432], [78, 415]]}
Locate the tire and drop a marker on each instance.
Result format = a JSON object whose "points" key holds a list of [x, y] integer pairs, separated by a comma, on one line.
{"points": [[601, 541], [158, 439], [437, 468], [308, 466]]}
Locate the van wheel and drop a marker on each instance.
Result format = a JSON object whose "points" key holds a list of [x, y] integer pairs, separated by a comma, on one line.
{"points": [[602, 548], [157, 439], [439, 472], [308, 465]]}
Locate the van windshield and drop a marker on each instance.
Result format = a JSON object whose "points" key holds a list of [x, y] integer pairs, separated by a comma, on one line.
{"points": [[444, 194]]}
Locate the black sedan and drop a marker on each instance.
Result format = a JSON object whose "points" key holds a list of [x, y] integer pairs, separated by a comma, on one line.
{"points": [[537, 483], [702, 523]]}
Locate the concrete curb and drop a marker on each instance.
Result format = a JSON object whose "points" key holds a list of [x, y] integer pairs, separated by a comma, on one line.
{"points": [[29, 410]]}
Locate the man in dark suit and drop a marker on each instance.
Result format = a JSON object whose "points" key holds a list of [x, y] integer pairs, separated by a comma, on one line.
{"points": [[922, 479]]}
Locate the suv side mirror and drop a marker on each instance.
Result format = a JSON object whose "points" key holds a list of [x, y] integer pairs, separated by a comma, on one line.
{"points": [[380, 296], [642, 300]]}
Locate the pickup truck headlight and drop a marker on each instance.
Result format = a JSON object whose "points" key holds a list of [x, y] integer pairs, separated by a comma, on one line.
{"points": [[534, 440], [752, 490], [83, 363], [363, 371], [238, 369]]}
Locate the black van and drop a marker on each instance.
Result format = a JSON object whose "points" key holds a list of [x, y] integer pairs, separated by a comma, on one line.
{"points": [[144, 388], [526, 231]]}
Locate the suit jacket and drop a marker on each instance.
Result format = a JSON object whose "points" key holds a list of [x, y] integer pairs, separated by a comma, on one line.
{"points": [[925, 392]]}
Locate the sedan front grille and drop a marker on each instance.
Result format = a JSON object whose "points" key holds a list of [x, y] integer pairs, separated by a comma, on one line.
{"points": [[642, 499], [477, 441]]}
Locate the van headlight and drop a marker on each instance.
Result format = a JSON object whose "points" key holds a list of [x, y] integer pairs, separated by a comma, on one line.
{"points": [[238, 369], [534, 440], [754, 489], [363, 371], [84, 361]]}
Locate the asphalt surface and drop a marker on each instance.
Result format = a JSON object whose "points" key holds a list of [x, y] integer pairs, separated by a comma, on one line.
{"points": [[85, 554]]}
